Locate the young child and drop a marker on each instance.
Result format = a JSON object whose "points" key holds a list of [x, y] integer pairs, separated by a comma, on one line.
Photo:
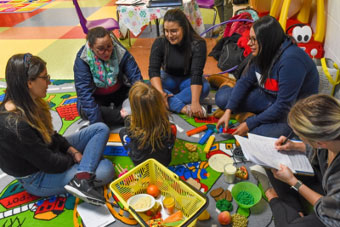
{"points": [[148, 132]]}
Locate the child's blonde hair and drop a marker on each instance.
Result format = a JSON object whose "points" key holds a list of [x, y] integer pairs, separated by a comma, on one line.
{"points": [[149, 116]]}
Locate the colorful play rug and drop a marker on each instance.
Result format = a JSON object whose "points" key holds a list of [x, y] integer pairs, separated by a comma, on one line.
{"points": [[21, 6], [190, 162]]}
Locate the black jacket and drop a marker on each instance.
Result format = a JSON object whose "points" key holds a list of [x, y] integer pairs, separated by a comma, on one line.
{"points": [[162, 154], [23, 151]]}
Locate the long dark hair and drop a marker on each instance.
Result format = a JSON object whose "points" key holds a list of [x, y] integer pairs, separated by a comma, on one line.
{"points": [[189, 35], [269, 36], [20, 69]]}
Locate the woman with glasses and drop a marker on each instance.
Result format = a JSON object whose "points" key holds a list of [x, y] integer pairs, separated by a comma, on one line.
{"points": [[103, 73], [176, 65], [44, 162], [278, 74]]}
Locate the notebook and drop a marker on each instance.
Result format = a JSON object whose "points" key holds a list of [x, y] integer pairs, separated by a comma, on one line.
{"points": [[261, 150]]}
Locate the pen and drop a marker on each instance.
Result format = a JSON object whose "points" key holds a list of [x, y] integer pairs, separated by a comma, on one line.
{"points": [[287, 138]]}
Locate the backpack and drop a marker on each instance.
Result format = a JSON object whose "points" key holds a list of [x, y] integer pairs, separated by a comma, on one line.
{"points": [[231, 55], [238, 26]]}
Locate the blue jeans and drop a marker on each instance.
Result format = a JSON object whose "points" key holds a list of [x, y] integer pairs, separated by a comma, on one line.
{"points": [[91, 142], [180, 88], [256, 102]]}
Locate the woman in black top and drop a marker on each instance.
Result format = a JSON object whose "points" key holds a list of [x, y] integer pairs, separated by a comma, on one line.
{"points": [[176, 65], [44, 162]]}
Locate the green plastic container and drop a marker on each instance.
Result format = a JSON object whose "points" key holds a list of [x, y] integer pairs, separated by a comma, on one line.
{"points": [[248, 187]]}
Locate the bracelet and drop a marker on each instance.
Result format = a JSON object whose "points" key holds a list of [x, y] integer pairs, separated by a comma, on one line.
{"points": [[297, 186]]}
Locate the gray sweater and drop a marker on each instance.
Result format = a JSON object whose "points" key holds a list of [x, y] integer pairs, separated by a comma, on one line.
{"points": [[327, 208]]}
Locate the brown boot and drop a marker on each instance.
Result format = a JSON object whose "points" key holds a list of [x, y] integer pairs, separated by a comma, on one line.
{"points": [[241, 117], [218, 113], [216, 80], [229, 82]]}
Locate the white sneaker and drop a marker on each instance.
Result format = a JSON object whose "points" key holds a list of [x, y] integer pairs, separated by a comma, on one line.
{"points": [[190, 114], [260, 174], [204, 112]]}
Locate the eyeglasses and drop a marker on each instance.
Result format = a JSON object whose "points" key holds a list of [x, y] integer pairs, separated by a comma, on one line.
{"points": [[102, 50], [252, 39], [47, 77]]}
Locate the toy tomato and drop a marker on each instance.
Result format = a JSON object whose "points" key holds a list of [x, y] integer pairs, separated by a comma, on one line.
{"points": [[242, 173], [153, 190], [157, 216]]}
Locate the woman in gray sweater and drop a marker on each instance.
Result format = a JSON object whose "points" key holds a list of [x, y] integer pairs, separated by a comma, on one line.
{"points": [[316, 120]]}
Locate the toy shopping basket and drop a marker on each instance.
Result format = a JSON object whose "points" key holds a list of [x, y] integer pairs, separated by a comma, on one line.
{"points": [[187, 199]]}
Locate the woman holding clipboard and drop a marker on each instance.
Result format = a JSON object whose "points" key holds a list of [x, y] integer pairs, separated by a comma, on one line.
{"points": [[316, 120]]}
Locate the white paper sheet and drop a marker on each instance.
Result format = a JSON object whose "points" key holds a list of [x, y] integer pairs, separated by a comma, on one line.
{"points": [[95, 216], [261, 150]]}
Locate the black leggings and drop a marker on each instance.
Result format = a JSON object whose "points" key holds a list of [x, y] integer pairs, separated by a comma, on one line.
{"points": [[111, 114], [286, 216], [291, 197]]}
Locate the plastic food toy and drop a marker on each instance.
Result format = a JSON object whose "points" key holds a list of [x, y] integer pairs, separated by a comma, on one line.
{"points": [[242, 173]]}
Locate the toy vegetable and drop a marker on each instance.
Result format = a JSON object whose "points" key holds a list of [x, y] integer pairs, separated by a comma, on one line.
{"points": [[175, 217], [242, 173]]}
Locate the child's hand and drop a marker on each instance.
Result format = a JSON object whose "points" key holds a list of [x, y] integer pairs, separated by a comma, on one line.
{"points": [[123, 113]]}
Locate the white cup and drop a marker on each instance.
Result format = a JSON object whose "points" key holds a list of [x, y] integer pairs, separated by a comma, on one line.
{"points": [[229, 173]]}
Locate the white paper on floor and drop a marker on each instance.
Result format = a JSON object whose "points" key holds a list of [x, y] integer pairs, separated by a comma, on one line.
{"points": [[95, 216]]}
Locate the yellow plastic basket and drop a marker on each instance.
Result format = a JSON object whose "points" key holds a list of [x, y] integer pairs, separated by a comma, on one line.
{"points": [[187, 199]]}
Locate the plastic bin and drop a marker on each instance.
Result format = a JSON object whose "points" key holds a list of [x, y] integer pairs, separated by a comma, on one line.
{"points": [[187, 199]]}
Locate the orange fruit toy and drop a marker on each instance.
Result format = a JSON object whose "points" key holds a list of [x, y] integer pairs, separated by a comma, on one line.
{"points": [[153, 190]]}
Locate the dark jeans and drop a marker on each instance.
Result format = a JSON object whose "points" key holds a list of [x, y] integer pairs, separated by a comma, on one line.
{"points": [[286, 216], [111, 113], [256, 102], [285, 208]]}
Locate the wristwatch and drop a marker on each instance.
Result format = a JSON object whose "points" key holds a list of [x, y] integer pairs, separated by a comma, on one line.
{"points": [[297, 185]]}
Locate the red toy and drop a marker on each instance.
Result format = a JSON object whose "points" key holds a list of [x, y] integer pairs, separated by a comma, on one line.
{"points": [[229, 130]]}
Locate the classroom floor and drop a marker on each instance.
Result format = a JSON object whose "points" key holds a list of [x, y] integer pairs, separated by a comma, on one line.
{"points": [[53, 32]]}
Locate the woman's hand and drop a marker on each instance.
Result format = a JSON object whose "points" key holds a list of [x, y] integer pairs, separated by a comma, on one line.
{"points": [[76, 155], [224, 120], [282, 144], [242, 129], [197, 110], [165, 98], [284, 174], [289, 145]]}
